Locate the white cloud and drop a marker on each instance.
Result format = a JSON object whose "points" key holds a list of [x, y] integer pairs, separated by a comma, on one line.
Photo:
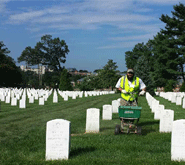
{"points": [[26, 16], [161, 2], [92, 14], [120, 45], [148, 28], [134, 38]]}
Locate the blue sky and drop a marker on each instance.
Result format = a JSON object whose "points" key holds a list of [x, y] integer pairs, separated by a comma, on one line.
{"points": [[94, 30]]}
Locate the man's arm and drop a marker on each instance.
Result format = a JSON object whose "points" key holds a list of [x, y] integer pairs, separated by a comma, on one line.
{"points": [[119, 89], [144, 89]]}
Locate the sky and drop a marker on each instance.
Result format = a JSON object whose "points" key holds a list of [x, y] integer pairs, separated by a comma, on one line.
{"points": [[94, 30]]}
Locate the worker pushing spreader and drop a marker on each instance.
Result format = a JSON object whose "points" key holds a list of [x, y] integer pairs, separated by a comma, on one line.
{"points": [[129, 111]]}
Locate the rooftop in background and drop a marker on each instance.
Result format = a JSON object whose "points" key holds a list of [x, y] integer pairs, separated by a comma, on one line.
{"points": [[73, 71]]}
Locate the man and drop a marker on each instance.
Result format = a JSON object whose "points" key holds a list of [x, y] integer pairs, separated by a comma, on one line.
{"points": [[130, 87]]}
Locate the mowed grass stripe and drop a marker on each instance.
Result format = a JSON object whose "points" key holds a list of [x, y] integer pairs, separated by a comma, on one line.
{"points": [[24, 141], [37, 116]]}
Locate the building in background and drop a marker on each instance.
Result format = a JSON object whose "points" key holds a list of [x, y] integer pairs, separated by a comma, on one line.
{"points": [[41, 70]]}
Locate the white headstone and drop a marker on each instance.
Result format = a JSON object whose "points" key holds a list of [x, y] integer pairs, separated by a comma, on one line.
{"points": [[36, 96], [65, 97], [57, 139], [166, 120], [86, 95], [178, 141], [22, 103], [17, 96], [92, 120], [183, 103], [31, 99], [158, 112], [74, 96], [41, 101], [173, 98], [55, 98], [13, 101], [45, 97], [81, 94], [107, 112], [179, 100], [155, 104], [7, 99], [2, 97], [170, 97], [115, 105]]}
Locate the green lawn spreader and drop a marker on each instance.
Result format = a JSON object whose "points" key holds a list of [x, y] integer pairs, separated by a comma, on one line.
{"points": [[129, 116]]}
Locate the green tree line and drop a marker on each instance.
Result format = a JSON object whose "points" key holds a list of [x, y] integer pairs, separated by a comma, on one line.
{"points": [[104, 78], [52, 53], [160, 62]]}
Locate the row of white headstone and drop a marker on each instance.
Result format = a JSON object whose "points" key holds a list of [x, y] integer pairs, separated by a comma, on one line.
{"points": [[58, 130], [174, 97], [165, 116], [13, 95], [167, 124], [92, 116]]}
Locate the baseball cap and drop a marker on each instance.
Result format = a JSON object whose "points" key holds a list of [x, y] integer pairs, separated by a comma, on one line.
{"points": [[130, 71]]}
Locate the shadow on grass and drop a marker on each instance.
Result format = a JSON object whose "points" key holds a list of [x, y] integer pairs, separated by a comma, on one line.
{"points": [[145, 131], [149, 127], [106, 128], [81, 150], [148, 123]]}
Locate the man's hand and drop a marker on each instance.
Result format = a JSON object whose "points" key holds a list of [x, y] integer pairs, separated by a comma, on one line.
{"points": [[142, 93], [123, 91]]}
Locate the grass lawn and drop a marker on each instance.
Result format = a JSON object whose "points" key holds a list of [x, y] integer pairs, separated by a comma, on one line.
{"points": [[23, 134]]}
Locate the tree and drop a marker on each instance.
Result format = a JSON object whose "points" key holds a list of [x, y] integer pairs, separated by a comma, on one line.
{"points": [[8, 69], [182, 89], [166, 60], [96, 70], [174, 31], [131, 57], [109, 75], [29, 56], [87, 84], [49, 52], [55, 51], [30, 79], [65, 83], [32, 56], [170, 85], [105, 78], [83, 71], [143, 71], [143, 64]]}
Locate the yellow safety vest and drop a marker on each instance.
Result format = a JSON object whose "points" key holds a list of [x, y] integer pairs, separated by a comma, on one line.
{"points": [[132, 92]]}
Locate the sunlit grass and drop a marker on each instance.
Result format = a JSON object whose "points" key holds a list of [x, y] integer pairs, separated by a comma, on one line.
{"points": [[23, 134]]}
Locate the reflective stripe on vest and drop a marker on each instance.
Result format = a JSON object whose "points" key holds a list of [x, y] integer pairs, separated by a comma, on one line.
{"points": [[132, 92]]}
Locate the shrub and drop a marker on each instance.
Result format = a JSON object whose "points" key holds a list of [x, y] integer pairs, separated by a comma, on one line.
{"points": [[169, 86], [182, 89]]}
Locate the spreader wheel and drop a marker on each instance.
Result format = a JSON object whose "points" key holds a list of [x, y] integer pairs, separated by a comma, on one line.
{"points": [[117, 129], [139, 130]]}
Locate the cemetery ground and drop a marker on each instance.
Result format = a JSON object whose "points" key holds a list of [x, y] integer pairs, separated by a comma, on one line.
{"points": [[23, 134]]}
